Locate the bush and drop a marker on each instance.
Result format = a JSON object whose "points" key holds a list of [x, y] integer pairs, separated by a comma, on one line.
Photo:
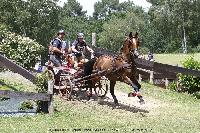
{"points": [[42, 82], [190, 84], [25, 51], [26, 105], [197, 94], [173, 86]]}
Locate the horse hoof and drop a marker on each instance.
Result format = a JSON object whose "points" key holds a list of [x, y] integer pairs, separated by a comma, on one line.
{"points": [[116, 102], [141, 101], [88, 98]]}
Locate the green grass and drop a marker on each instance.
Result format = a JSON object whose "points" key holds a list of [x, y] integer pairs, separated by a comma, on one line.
{"points": [[9, 84], [174, 59], [179, 113]]}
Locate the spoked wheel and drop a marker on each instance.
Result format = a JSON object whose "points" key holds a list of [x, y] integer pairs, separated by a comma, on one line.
{"points": [[69, 88], [101, 88], [66, 88]]}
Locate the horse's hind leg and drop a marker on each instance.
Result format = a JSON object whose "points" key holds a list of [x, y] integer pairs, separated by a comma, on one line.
{"points": [[112, 86]]}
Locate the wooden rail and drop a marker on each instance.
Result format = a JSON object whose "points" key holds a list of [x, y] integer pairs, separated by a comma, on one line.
{"points": [[165, 68], [5, 62]]}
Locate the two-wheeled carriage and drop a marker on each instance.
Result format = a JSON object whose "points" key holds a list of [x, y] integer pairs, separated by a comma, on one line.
{"points": [[68, 82]]}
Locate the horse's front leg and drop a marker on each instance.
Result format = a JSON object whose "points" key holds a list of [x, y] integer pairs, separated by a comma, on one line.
{"points": [[136, 86], [112, 92]]}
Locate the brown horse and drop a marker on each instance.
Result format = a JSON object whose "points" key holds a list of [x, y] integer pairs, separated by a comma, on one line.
{"points": [[121, 67]]}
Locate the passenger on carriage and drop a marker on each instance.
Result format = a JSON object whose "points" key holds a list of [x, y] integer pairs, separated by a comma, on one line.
{"points": [[55, 49], [80, 49]]}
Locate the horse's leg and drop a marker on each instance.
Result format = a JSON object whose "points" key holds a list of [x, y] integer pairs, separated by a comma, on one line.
{"points": [[112, 86], [136, 86], [89, 94], [90, 86]]}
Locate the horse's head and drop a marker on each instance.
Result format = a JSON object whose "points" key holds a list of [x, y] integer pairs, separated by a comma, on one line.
{"points": [[131, 44]]}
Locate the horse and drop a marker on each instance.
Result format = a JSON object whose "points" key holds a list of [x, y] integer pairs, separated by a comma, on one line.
{"points": [[121, 67]]}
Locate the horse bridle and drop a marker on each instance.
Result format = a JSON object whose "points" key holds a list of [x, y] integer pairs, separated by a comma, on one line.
{"points": [[132, 51]]}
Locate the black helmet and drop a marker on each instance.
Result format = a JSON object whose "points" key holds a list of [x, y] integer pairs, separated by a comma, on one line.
{"points": [[61, 32]]}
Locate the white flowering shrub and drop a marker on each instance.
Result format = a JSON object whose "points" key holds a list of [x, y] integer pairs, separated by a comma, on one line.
{"points": [[23, 50]]}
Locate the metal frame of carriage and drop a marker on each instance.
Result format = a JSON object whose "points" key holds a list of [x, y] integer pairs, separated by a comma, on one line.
{"points": [[67, 83]]}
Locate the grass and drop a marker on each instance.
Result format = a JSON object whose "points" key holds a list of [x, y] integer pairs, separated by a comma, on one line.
{"points": [[174, 59], [10, 84], [179, 113]]}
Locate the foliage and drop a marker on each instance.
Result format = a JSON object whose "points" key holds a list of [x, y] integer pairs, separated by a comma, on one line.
{"points": [[37, 19], [173, 86], [197, 95], [26, 105], [162, 29], [144, 50], [173, 22], [190, 84], [4, 99], [72, 9], [41, 82], [23, 50], [115, 30]]}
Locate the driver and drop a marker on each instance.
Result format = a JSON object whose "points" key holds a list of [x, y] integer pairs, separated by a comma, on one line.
{"points": [[79, 48]]}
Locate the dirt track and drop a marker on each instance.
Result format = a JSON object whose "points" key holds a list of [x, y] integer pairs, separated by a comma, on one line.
{"points": [[126, 103]]}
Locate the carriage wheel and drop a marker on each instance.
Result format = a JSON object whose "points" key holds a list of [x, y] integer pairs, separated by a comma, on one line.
{"points": [[101, 88], [68, 88]]}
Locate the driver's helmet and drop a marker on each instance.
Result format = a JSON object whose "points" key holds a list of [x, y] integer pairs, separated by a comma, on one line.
{"points": [[61, 32], [80, 35]]}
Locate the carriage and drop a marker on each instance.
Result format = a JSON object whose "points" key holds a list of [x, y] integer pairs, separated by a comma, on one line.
{"points": [[119, 67], [68, 82]]}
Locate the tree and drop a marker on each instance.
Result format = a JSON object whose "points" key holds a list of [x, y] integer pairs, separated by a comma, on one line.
{"points": [[25, 51], [72, 9], [176, 22], [105, 8], [115, 29]]}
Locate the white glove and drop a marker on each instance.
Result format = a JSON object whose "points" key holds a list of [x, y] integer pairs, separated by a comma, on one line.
{"points": [[92, 56]]}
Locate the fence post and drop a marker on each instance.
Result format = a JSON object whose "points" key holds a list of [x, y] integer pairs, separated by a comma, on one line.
{"points": [[140, 78], [166, 82], [50, 92], [151, 77], [94, 39]]}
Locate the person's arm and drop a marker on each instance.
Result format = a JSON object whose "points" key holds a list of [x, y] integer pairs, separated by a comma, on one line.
{"points": [[74, 47], [89, 49], [55, 47]]}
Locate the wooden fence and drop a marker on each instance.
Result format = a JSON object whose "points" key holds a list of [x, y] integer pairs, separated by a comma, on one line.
{"points": [[47, 98], [9, 64], [157, 71]]}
